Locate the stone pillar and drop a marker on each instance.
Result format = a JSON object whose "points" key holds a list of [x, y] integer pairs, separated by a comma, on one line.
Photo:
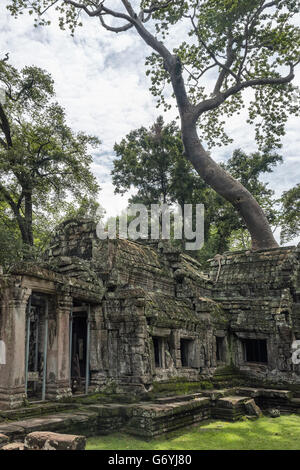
{"points": [[98, 340], [13, 337], [58, 360]]}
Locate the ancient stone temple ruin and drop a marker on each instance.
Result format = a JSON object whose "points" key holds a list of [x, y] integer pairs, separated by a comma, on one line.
{"points": [[99, 315]]}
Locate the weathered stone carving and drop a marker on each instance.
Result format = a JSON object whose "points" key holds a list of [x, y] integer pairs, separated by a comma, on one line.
{"points": [[135, 292]]}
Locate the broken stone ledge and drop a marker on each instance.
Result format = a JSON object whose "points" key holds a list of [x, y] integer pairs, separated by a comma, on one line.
{"points": [[150, 419], [44, 440]]}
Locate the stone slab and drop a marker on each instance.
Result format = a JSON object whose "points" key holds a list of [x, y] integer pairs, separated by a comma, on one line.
{"points": [[57, 421], [14, 446], [54, 441], [232, 402]]}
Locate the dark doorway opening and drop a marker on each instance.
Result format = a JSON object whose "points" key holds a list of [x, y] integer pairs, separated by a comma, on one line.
{"points": [[78, 361], [255, 350], [36, 347], [220, 349], [79, 353], [158, 351], [185, 351]]}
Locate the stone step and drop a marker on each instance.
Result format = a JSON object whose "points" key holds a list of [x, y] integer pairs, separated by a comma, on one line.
{"points": [[215, 394], [146, 419], [230, 408], [212, 394], [265, 393], [231, 401], [178, 398], [149, 420], [36, 409], [295, 401], [85, 422]]}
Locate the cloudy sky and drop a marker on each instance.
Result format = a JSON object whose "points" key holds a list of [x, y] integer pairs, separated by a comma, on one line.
{"points": [[100, 81]]}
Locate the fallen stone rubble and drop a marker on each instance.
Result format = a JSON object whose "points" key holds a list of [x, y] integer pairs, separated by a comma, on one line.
{"points": [[44, 440]]}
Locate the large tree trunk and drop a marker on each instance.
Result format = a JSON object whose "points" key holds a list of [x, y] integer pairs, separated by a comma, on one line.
{"points": [[28, 217], [223, 183], [25, 226], [232, 190], [25, 230]]}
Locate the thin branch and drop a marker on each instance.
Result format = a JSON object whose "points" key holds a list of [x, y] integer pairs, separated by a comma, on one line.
{"points": [[226, 67], [212, 55], [9, 199], [20, 200], [210, 104], [49, 6], [100, 10], [154, 7], [5, 126], [115, 29], [85, 8], [3, 143]]}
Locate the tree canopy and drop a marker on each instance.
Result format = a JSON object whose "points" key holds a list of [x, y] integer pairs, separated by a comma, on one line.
{"points": [[242, 43], [152, 161], [239, 45], [42, 161], [290, 215]]}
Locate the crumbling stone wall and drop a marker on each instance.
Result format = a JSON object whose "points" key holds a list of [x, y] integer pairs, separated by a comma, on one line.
{"points": [[149, 292], [154, 315], [260, 293]]}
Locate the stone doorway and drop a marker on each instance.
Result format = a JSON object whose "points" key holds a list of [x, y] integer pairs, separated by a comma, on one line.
{"points": [[36, 347], [80, 349]]}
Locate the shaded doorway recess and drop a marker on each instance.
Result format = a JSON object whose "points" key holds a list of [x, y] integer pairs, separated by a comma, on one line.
{"points": [[36, 346], [80, 348]]}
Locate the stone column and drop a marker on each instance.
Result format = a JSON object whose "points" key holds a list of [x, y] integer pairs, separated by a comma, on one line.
{"points": [[13, 337], [98, 341], [58, 360]]}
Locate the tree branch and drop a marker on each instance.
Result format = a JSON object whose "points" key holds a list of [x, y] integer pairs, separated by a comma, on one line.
{"points": [[5, 127], [115, 29], [100, 10], [226, 67], [3, 143], [9, 199], [154, 7], [20, 200], [210, 104], [212, 55]]}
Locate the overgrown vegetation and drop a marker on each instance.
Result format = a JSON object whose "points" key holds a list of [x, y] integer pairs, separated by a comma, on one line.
{"points": [[45, 167], [224, 49], [152, 162]]}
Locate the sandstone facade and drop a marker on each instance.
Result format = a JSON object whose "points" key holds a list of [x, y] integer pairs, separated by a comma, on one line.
{"points": [[117, 315]]}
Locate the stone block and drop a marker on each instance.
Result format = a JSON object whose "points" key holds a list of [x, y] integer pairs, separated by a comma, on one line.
{"points": [[4, 439], [252, 409], [54, 441], [274, 413], [14, 446]]}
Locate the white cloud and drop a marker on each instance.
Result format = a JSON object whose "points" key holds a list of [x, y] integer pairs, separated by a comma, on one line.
{"points": [[100, 81]]}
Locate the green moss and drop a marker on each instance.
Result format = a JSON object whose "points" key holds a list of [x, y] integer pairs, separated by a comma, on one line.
{"points": [[282, 433], [103, 397], [179, 387]]}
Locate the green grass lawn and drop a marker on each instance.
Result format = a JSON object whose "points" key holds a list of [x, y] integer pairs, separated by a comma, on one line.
{"points": [[281, 433]]}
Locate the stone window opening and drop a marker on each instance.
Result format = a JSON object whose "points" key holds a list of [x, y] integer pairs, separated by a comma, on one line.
{"points": [[186, 346], [255, 350], [220, 349], [159, 352]]}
